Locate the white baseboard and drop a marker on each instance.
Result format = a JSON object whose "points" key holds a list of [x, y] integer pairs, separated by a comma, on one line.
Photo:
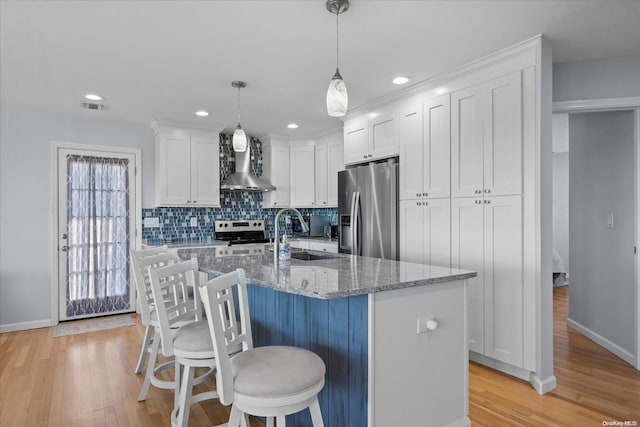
{"points": [[543, 385], [514, 371], [12, 327], [603, 342], [463, 422]]}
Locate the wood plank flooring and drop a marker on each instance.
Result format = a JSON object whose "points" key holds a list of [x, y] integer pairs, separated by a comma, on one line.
{"points": [[88, 380]]}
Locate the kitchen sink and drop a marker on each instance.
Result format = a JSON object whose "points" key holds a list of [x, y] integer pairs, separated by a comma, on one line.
{"points": [[306, 256]]}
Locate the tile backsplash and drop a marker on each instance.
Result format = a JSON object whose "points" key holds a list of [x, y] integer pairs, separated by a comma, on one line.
{"points": [[175, 223]]}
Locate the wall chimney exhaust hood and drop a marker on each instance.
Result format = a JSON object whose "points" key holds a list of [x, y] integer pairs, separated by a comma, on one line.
{"points": [[242, 179]]}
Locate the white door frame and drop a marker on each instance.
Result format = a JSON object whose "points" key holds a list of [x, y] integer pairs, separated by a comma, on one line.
{"points": [[135, 209], [616, 104]]}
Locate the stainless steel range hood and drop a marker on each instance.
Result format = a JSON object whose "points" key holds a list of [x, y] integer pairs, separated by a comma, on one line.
{"points": [[242, 179]]}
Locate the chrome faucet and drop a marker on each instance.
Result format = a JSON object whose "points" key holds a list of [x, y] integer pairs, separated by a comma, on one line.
{"points": [[276, 237]]}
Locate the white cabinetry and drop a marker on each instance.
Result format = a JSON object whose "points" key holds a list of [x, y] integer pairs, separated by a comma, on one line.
{"points": [[187, 166], [487, 238], [302, 158], [486, 138], [275, 169], [314, 245], [425, 149], [425, 227], [371, 139], [329, 161]]}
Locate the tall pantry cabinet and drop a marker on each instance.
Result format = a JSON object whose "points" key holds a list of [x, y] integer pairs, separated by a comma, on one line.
{"points": [[486, 206]]}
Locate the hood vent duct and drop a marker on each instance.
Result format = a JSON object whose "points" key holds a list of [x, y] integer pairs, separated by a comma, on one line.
{"points": [[242, 179]]}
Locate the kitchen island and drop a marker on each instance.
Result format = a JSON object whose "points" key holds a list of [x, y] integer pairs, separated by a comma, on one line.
{"points": [[362, 316]]}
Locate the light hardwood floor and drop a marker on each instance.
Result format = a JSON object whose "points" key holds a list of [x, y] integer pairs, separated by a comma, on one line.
{"points": [[87, 380]]}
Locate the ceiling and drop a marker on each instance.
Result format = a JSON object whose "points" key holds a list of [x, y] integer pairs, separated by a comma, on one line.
{"points": [[164, 60]]}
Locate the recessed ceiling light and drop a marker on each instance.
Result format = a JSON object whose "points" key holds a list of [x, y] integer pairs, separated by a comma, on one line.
{"points": [[400, 80], [202, 113], [93, 97], [292, 126]]}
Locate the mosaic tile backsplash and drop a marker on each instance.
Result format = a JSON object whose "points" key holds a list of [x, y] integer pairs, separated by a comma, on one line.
{"points": [[175, 222]]}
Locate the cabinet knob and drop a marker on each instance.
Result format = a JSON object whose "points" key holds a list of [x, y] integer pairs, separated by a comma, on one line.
{"points": [[364, 157], [417, 203], [425, 194], [193, 201], [370, 155], [487, 190], [417, 194], [275, 203], [188, 201], [324, 203], [432, 324], [425, 203], [487, 201]]}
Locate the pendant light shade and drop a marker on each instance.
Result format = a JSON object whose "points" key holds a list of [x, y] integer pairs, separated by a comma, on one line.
{"points": [[239, 140], [239, 136], [337, 96]]}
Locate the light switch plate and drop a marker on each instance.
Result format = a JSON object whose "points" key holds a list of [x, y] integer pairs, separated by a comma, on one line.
{"points": [[194, 221]]}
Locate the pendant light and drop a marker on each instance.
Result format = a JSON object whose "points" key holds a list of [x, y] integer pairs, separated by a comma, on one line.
{"points": [[337, 97], [239, 137]]}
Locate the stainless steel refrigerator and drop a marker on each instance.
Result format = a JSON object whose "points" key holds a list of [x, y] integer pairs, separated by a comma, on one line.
{"points": [[368, 210]]}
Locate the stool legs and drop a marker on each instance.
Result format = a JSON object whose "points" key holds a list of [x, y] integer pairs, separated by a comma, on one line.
{"points": [[144, 351]]}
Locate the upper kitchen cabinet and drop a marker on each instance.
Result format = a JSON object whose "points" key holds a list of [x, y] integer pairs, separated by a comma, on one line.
{"points": [[187, 164], [329, 161], [371, 139], [302, 155], [275, 169], [486, 138], [424, 134]]}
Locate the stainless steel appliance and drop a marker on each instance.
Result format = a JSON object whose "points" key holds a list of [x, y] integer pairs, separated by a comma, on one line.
{"points": [[368, 210], [315, 223], [241, 232]]}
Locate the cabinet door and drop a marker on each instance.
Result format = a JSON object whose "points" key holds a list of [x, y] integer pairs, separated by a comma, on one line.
{"points": [[466, 143], [437, 147], [383, 134], [437, 237], [276, 170], [411, 157], [321, 175], [205, 171], [335, 160], [503, 136], [503, 278], [356, 141], [174, 170], [303, 176], [467, 247], [412, 231]]}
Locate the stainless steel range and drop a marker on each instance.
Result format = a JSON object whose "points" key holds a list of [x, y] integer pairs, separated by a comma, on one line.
{"points": [[241, 232], [243, 237]]}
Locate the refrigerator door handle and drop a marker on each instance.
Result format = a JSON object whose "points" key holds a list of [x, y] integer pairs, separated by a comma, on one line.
{"points": [[352, 221], [355, 225]]}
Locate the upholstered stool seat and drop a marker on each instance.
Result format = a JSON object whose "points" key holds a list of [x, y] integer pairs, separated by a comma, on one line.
{"points": [[276, 371], [193, 339]]}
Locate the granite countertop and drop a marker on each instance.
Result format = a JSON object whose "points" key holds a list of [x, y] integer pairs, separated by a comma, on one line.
{"points": [[340, 276]]}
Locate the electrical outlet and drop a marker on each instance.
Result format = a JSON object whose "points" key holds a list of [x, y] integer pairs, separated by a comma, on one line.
{"points": [[287, 220], [152, 222], [194, 221]]}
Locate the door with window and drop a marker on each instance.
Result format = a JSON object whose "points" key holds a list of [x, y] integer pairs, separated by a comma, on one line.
{"points": [[96, 228]]}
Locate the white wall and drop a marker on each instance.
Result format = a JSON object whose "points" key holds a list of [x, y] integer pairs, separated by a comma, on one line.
{"points": [[561, 187], [596, 78], [25, 200], [602, 261]]}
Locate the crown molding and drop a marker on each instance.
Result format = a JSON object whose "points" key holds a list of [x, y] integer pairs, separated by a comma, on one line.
{"points": [[585, 105]]}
